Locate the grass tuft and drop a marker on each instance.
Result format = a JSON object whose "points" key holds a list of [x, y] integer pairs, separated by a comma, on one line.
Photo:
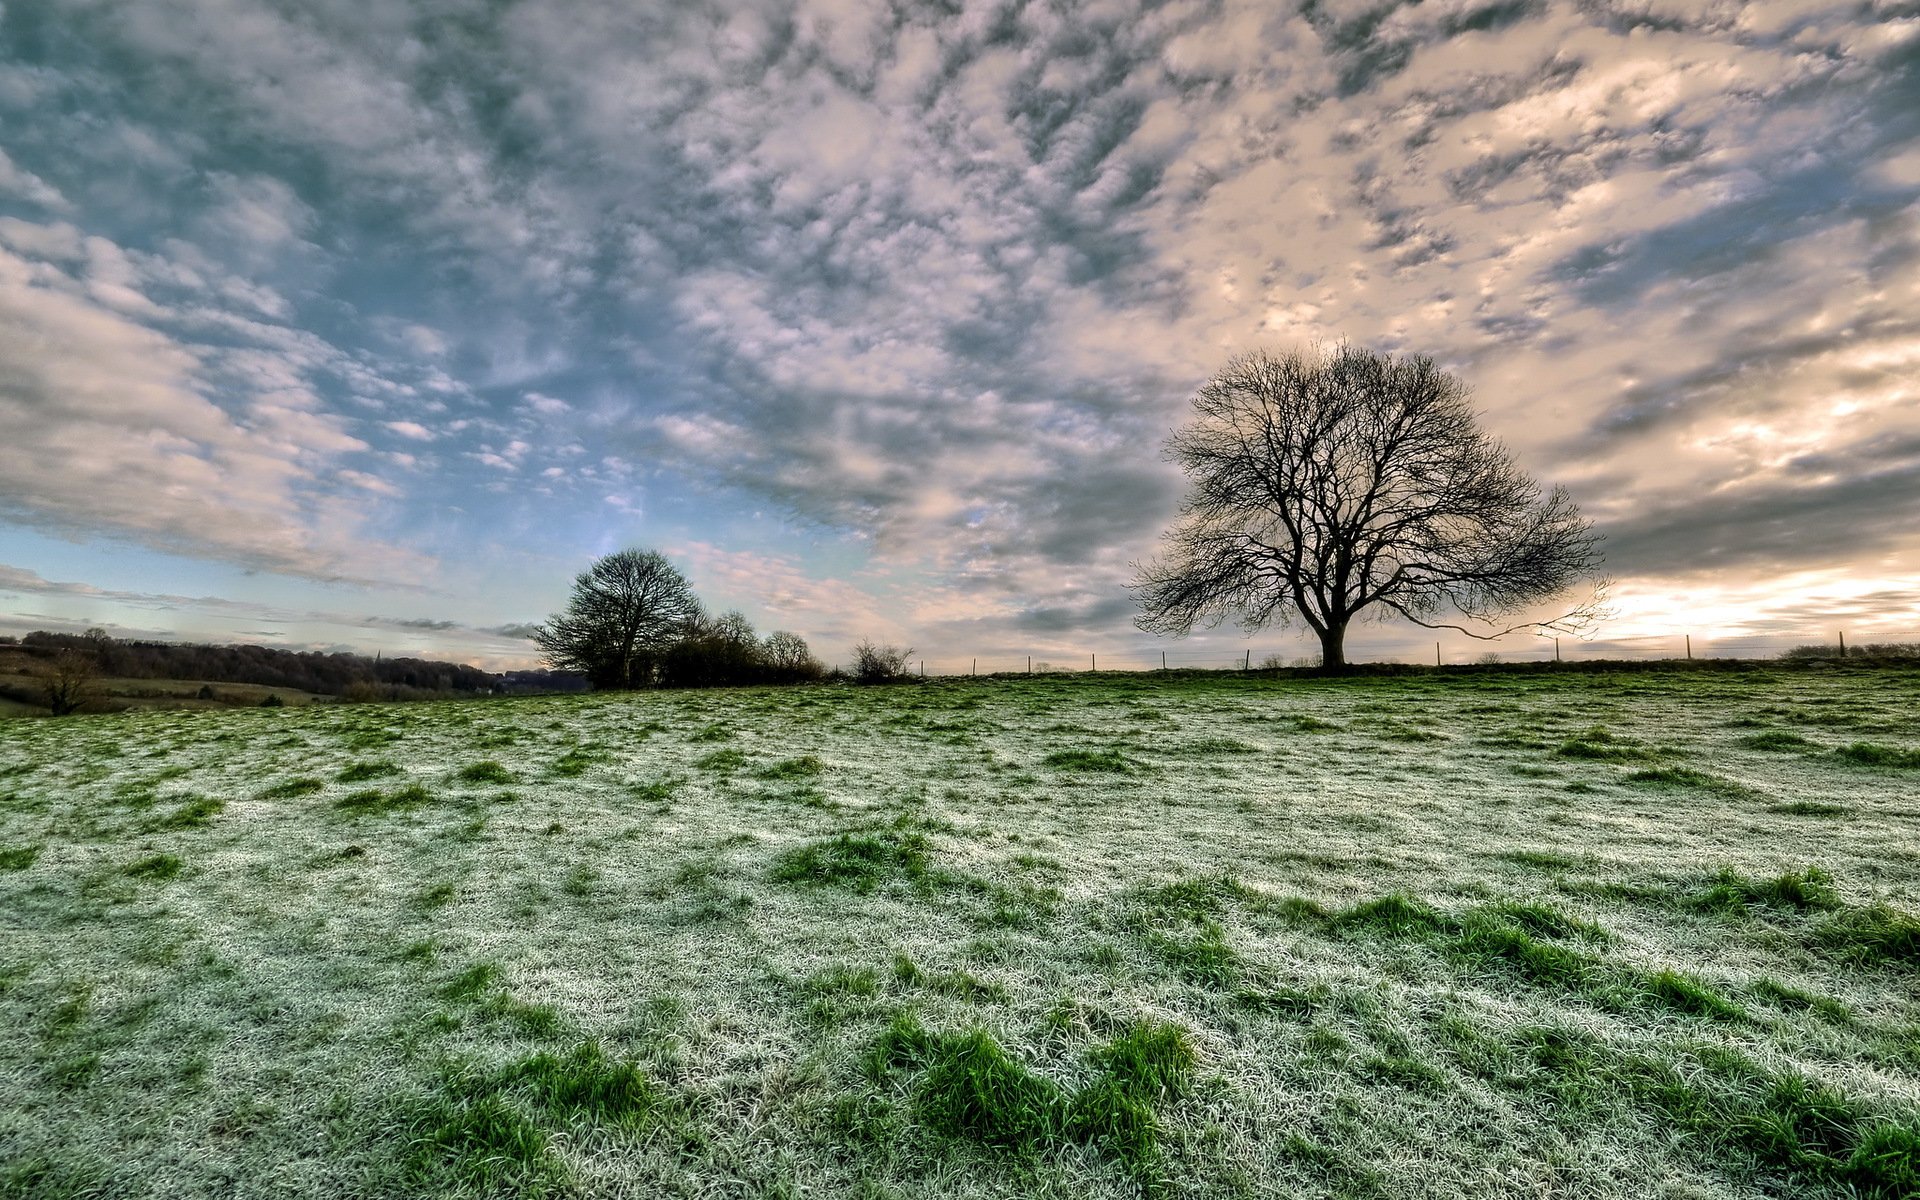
{"points": [[805, 767], [1873, 754], [1396, 914], [360, 772], [155, 866], [1780, 740], [859, 862], [18, 858], [1875, 934], [1687, 777], [974, 1089], [1810, 890], [485, 771]]}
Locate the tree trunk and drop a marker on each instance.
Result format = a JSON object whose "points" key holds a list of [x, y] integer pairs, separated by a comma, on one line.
{"points": [[1333, 649]]}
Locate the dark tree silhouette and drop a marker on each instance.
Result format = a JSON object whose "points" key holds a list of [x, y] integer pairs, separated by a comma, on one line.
{"points": [[1330, 483], [788, 656], [68, 680], [626, 609], [874, 663]]}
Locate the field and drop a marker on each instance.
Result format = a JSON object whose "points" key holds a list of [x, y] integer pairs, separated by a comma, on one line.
{"points": [[21, 695], [1646, 934]]}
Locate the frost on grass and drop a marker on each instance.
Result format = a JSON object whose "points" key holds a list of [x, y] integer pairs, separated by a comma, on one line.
{"points": [[1181, 935]]}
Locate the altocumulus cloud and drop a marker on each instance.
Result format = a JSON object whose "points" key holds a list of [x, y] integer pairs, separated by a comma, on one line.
{"points": [[380, 286]]}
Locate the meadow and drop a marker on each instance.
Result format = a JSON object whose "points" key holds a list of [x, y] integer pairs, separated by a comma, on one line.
{"points": [[1629, 935]]}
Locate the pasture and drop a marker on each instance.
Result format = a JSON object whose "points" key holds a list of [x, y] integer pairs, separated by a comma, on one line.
{"points": [[1645, 934]]}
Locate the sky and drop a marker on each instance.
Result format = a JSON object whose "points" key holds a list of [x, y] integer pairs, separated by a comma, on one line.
{"points": [[366, 324]]}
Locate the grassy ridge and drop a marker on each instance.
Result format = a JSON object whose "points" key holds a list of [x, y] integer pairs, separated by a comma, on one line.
{"points": [[1123, 936]]}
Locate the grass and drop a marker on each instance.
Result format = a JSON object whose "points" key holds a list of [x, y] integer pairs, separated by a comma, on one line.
{"points": [[1687, 777], [1779, 740], [1254, 944], [486, 771], [1873, 754], [1109, 761], [857, 862], [360, 772], [374, 802], [18, 858]]}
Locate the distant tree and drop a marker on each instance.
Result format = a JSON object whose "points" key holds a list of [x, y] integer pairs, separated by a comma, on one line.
{"points": [[712, 652], [1325, 485], [874, 663], [626, 609], [69, 680], [789, 659]]}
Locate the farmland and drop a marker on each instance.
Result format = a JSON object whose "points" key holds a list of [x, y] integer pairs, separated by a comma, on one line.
{"points": [[1189, 935]]}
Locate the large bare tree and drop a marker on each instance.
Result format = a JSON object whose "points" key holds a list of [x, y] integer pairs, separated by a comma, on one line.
{"points": [[625, 610], [1325, 484]]}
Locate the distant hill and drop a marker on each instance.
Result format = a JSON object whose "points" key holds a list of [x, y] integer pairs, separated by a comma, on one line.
{"points": [[354, 676]]}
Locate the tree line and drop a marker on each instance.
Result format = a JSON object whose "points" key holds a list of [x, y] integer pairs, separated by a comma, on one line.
{"points": [[327, 674], [633, 621]]}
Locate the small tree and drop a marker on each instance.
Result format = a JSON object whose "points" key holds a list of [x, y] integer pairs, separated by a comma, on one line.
{"points": [[873, 663], [69, 681], [626, 608], [788, 657], [1327, 485]]}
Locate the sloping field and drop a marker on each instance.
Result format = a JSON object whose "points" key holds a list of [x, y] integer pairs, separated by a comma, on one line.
{"points": [[1624, 936], [18, 694]]}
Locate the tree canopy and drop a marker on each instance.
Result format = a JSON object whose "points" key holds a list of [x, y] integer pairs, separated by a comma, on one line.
{"points": [[634, 621], [1327, 484]]}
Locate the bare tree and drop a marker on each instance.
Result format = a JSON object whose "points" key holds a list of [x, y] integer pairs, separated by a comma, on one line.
{"points": [[68, 681], [625, 609], [1327, 484], [873, 663], [789, 657]]}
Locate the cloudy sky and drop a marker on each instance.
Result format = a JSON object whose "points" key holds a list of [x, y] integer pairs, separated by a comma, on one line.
{"points": [[365, 323]]}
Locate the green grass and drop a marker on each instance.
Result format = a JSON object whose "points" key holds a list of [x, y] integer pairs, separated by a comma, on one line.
{"points": [[804, 767], [1780, 740], [883, 947], [1108, 761], [1809, 890], [293, 789], [857, 862], [1873, 754], [155, 866], [486, 771], [1687, 777], [18, 858], [360, 772]]}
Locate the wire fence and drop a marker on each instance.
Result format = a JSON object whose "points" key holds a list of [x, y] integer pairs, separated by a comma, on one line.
{"points": [[1441, 653]]}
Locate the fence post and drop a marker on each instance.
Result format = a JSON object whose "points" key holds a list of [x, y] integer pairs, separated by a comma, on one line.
{"points": [[1093, 662], [1843, 643], [1436, 654], [1029, 664], [1163, 660], [976, 666], [923, 668], [1689, 647], [1556, 649]]}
